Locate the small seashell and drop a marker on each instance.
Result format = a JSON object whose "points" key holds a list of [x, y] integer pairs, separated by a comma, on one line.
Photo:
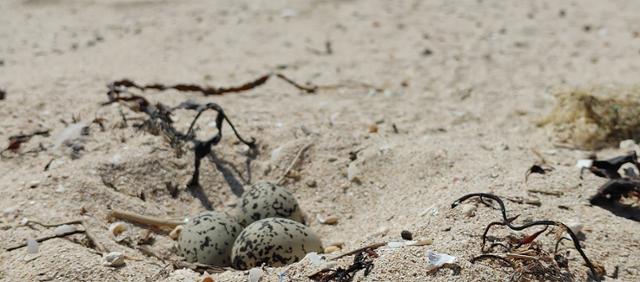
{"points": [[175, 233], [113, 259], [118, 228], [331, 249], [32, 246], [255, 274], [64, 229]]}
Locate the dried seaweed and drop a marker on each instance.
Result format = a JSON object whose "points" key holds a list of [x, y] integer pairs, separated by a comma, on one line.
{"points": [[537, 168], [159, 121], [363, 260], [609, 168], [208, 90], [611, 193], [17, 140], [508, 222]]}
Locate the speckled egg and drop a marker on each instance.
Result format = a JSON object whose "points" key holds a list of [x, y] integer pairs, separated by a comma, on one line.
{"points": [[273, 241], [208, 238], [266, 199]]}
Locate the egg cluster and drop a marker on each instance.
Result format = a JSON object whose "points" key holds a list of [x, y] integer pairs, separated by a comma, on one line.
{"points": [[268, 228]]}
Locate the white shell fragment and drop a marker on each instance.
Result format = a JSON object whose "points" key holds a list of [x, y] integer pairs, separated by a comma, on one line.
{"points": [[314, 258], [584, 163], [32, 246], [64, 229], [575, 225], [255, 274], [113, 259], [436, 260]]}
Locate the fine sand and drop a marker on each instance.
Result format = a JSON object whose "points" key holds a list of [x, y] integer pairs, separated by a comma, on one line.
{"points": [[434, 100]]}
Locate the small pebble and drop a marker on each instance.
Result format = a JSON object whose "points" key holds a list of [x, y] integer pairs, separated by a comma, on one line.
{"points": [[330, 220], [331, 249], [113, 259], [10, 212], [406, 235], [628, 144], [352, 172], [60, 189], [34, 184], [469, 210], [311, 183]]}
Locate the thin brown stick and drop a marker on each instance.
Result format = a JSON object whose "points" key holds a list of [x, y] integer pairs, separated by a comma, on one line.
{"points": [[92, 240], [552, 193], [198, 267], [45, 238], [144, 219], [293, 163], [77, 221], [369, 247]]}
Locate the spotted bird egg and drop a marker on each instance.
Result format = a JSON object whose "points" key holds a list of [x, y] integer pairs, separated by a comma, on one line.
{"points": [[208, 238], [273, 241], [266, 199]]}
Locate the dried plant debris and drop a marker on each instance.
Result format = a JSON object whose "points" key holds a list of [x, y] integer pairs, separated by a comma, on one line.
{"points": [[524, 254], [208, 90], [17, 140], [539, 169], [363, 260], [159, 122], [597, 117]]}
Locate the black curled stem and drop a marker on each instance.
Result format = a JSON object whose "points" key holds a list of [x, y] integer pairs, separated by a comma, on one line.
{"points": [[507, 222]]}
